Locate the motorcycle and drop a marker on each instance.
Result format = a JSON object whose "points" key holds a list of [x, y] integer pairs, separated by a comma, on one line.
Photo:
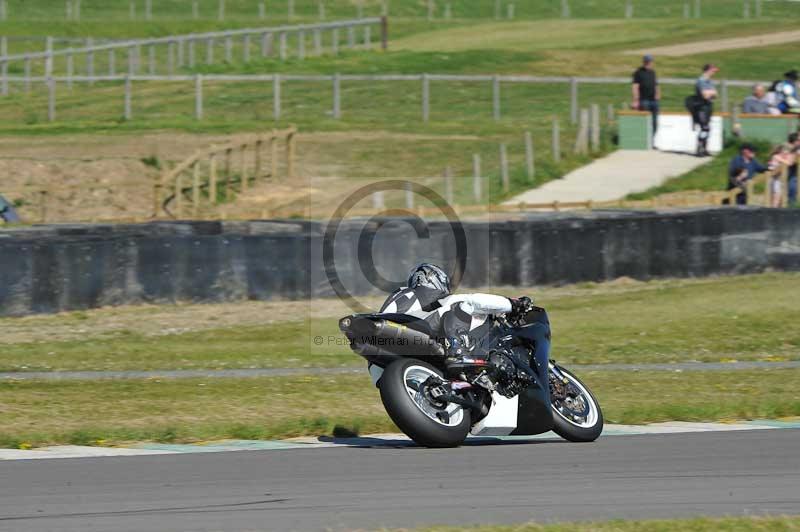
{"points": [[509, 387]]}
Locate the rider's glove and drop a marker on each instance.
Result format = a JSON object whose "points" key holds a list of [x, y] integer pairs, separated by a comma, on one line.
{"points": [[520, 306]]}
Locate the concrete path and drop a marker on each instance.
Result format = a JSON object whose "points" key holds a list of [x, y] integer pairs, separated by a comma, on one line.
{"points": [[718, 45], [613, 177]]}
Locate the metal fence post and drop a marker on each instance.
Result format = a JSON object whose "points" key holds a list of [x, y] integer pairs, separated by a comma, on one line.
{"points": [[262, 10], [290, 9], [148, 9], [496, 97], [697, 12], [221, 10], [191, 53], [746, 9], [430, 10], [195, 10], [112, 62], [686, 10], [76, 11], [246, 48], [48, 61], [317, 42], [476, 177], [337, 95], [301, 45], [68, 8], [3, 10], [724, 95], [426, 97], [128, 96], [351, 36], [228, 49], [51, 99], [70, 71], [171, 58], [321, 10], [758, 8], [266, 44], [529, 161], [27, 68], [565, 9], [198, 96], [209, 51], [595, 120], [132, 10], [556, 148], [628, 9], [131, 61], [276, 96], [573, 100], [367, 37], [180, 45]]}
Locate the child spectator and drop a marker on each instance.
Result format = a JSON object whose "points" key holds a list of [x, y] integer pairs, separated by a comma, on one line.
{"points": [[780, 158]]}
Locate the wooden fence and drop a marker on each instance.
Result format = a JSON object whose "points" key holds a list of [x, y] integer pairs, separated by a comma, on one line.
{"points": [[211, 176], [186, 51], [335, 82]]}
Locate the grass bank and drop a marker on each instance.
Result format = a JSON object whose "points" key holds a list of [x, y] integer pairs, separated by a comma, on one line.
{"points": [[749, 317], [102, 413]]}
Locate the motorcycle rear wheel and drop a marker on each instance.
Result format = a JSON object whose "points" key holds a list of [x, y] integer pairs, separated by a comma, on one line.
{"points": [[578, 417], [426, 423]]}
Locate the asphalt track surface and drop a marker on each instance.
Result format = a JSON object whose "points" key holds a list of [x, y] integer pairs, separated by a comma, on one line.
{"points": [[663, 476]]}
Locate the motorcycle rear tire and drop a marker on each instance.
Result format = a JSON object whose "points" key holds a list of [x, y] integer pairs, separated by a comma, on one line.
{"points": [[407, 415]]}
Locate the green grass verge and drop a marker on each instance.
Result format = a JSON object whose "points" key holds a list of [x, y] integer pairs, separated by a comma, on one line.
{"points": [[34, 413], [701, 524], [740, 317]]}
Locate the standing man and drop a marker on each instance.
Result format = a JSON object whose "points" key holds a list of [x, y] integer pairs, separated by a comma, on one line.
{"points": [[703, 106], [742, 169], [793, 145], [646, 92]]}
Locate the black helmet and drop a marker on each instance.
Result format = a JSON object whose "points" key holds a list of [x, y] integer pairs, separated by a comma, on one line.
{"points": [[432, 277]]}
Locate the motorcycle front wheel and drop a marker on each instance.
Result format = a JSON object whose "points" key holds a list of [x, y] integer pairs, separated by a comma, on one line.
{"points": [[415, 412], [576, 413]]}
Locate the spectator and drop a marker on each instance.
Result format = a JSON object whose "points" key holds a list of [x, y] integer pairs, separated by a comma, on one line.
{"points": [[786, 92], [742, 169], [701, 105], [759, 103], [646, 92], [780, 158], [793, 145], [7, 212]]}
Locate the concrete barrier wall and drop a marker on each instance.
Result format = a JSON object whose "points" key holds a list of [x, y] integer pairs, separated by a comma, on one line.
{"points": [[55, 268]]}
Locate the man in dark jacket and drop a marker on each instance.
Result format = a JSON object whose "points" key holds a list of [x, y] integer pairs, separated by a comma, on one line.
{"points": [[742, 169], [646, 92]]}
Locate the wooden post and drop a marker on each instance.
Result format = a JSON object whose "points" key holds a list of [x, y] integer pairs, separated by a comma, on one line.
{"points": [[76, 10], [529, 161], [209, 51], [179, 196], [430, 10], [359, 9], [266, 44], [498, 9], [243, 184], [273, 155], [504, 168], [128, 97], [290, 9], [228, 49], [51, 99], [198, 96], [290, 140], [321, 10], [90, 60], [556, 142], [335, 41], [573, 100], [476, 177], [337, 96], [496, 98], [746, 9], [195, 188], [156, 197], [148, 9], [221, 10], [448, 11], [42, 206], [4, 64], [195, 10], [3, 10], [68, 7], [301, 45], [276, 96], [132, 10], [686, 11], [697, 13], [758, 8], [510, 11], [212, 179], [384, 33], [282, 51], [628, 9], [262, 10], [595, 119], [565, 13]]}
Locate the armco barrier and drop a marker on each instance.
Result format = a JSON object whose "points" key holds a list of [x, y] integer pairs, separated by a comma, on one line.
{"points": [[55, 268]]}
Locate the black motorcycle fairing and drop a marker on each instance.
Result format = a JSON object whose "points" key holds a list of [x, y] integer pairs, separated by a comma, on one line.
{"points": [[534, 414]]}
